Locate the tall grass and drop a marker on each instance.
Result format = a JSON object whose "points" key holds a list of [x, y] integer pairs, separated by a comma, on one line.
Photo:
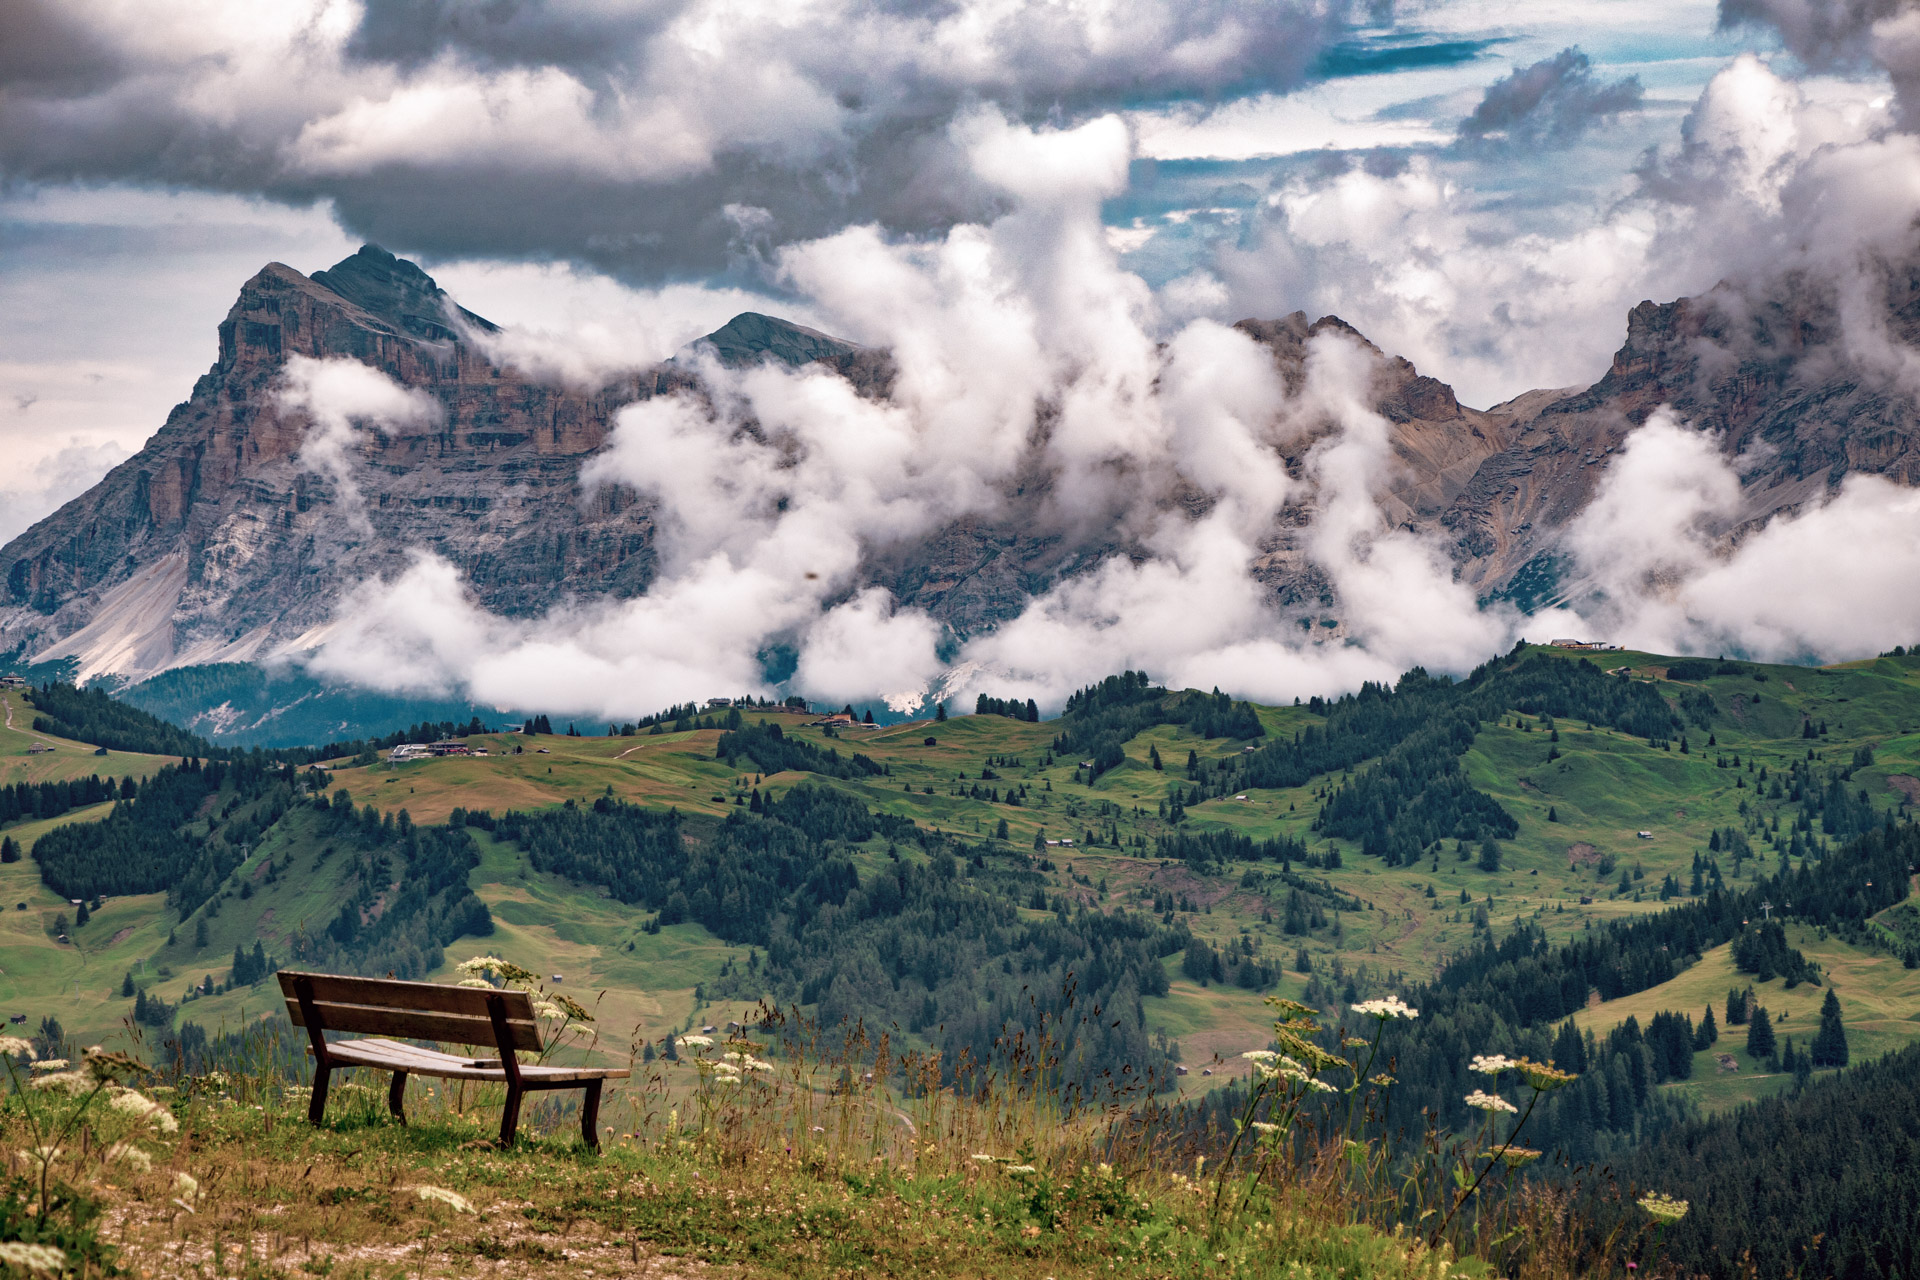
{"points": [[916, 1163]]}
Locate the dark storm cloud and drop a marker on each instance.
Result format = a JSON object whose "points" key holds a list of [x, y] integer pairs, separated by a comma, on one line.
{"points": [[1549, 103], [621, 137]]}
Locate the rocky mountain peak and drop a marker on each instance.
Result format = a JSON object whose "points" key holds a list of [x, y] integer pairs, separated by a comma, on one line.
{"points": [[750, 337], [398, 292]]}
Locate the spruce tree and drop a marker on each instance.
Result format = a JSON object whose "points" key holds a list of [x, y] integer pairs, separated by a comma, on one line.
{"points": [[9, 851], [200, 934], [1830, 1045], [1707, 1034], [1760, 1045], [126, 986], [1153, 758], [940, 711], [81, 916], [1489, 854]]}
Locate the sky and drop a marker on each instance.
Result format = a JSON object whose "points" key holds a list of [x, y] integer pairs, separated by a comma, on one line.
{"points": [[1483, 186]]}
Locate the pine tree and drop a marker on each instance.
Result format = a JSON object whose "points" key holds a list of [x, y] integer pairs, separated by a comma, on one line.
{"points": [[1830, 1045], [1708, 1034], [126, 986], [940, 711], [9, 851], [1760, 1045], [1553, 814], [1033, 712], [1153, 758], [200, 934], [81, 916], [1736, 1007], [1489, 854]]}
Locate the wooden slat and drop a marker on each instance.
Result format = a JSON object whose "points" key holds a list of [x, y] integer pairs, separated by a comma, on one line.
{"points": [[444, 1027], [390, 993], [385, 1055]]}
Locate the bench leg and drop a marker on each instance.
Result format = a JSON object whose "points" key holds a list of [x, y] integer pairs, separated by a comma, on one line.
{"points": [[318, 1106], [397, 1096], [590, 1115], [510, 1118]]}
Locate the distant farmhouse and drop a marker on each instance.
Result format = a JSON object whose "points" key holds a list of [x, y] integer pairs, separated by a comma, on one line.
{"points": [[1591, 646], [13, 682]]}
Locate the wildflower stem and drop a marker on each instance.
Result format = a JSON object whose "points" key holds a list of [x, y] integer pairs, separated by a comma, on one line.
{"points": [[1493, 1158]]}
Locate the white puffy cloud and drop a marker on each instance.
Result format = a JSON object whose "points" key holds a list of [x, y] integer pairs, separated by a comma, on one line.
{"points": [[1022, 349], [338, 396], [1769, 174], [1826, 582]]}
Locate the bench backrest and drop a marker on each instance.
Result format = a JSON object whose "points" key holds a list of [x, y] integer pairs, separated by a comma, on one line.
{"points": [[411, 1010]]}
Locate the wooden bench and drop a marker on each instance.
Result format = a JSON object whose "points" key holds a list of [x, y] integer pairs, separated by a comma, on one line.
{"points": [[502, 1020]]}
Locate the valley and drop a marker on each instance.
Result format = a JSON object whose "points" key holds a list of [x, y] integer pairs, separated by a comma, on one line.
{"points": [[1581, 798]]}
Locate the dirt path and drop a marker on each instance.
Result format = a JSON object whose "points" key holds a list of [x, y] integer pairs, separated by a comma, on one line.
{"points": [[9, 702]]}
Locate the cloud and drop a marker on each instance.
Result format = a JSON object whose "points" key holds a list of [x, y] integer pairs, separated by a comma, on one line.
{"points": [[612, 135], [1652, 550], [1766, 180], [1549, 103], [1025, 357], [338, 396], [1843, 35]]}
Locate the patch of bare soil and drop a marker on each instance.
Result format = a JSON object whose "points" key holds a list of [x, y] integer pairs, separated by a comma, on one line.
{"points": [[120, 937], [1583, 853], [1906, 784]]}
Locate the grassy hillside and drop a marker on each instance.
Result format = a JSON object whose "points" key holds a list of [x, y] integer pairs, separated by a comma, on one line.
{"points": [[1579, 816], [68, 759]]}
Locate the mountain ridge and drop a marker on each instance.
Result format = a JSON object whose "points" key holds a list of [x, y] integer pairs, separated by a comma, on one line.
{"points": [[213, 544]]}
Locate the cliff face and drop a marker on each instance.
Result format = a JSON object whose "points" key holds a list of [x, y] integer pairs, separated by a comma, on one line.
{"points": [[215, 542]]}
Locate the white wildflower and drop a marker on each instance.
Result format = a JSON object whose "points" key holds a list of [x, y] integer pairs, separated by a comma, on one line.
{"points": [[697, 1042], [1389, 1007], [479, 966], [548, 1009], [453, 1199], [42, 1155], [1490, 1102], [38, 1259], [1261, 1056], [1492, 1064], [981, 1156], [134, 1104], [1662, 1208], [50, 1064], [14, 1046], [1265, 1126], [186, 1186], [131, 1154], [480, 984], [1021, 1168], [70, 1081]]}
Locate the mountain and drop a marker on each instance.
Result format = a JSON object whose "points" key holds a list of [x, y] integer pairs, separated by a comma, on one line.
{"points": [[215, 544]]}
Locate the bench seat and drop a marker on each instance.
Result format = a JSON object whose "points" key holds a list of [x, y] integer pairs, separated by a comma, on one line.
{"points": [[392, 1055]]}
